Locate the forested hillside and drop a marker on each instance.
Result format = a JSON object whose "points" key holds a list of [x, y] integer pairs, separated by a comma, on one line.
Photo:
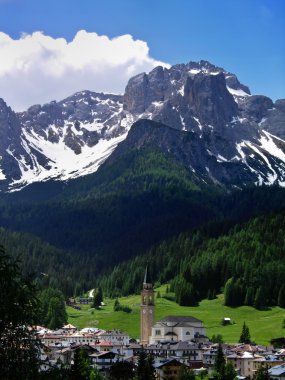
{"points": [[131, 205], [247, 261]]}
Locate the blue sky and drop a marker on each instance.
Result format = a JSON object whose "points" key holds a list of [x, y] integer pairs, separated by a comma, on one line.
{"points": [[246, 37]]}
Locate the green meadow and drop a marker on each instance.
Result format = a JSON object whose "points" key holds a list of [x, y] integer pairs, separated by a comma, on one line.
{"points": [[263, 325]]}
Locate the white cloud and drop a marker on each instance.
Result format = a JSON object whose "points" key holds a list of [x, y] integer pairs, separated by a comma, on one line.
{"points": [[37, 68]]}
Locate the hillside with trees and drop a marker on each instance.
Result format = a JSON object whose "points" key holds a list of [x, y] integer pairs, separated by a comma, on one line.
{"points": [[246, 262]]}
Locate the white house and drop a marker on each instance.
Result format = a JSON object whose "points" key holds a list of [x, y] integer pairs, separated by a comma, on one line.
{"points": [[115, 337]]}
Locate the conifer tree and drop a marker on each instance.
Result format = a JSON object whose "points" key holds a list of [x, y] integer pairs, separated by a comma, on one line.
{"points": [[98, 297], [258, 299], [230, 373], [81, 369], [220, 362], [245, 335], [145, 367], [261, 374], [281, 296], [185, 373], [19, 348], [229, 293]]}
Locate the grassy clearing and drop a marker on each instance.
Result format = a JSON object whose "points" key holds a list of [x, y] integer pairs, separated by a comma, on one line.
{"points": [[263, 325]]}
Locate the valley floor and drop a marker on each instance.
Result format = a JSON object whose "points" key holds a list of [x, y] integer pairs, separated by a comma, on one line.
{"points": [[263, 325]]}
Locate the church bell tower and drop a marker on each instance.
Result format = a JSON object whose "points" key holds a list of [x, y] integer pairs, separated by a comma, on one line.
{"points": [[147, 310]]}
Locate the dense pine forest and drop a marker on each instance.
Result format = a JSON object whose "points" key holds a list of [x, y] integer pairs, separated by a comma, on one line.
{"points": [[246, 262], [143, 207]]}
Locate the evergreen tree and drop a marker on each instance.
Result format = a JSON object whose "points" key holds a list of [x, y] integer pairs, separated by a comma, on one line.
{"points": [[81, 368], [145, 367], [249, 298], [261, 374], [53, 311], [55, 373], [117, 305], [185, 373], [57, 316], [245, 334], [281, 296], [217, 339], [122, 371], [219, 366], [229, 373], [259, 299], [229, 293], [19, 348], [98, 297], [185, 293]]}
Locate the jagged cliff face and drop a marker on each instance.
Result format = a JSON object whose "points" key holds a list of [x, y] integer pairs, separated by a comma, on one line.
{"points": [[210, 120]]}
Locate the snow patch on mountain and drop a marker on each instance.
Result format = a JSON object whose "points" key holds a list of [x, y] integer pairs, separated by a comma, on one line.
{"points": [[268, 144], [64, 162], [238, 92]]}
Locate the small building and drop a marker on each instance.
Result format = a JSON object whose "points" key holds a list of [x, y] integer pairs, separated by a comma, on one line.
{"points": [[277, 372], [245, 363], [103, 360], [168, 370], [115, 337]]}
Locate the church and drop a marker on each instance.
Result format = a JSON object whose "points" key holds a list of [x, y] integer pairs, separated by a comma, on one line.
{"points": [[171, 328]]}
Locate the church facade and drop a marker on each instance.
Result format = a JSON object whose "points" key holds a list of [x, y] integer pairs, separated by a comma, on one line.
{"points": [[176, 328], [171, 328]]}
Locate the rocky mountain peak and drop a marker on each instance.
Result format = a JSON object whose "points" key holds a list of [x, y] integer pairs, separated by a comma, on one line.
{"points": [[201, 102]]}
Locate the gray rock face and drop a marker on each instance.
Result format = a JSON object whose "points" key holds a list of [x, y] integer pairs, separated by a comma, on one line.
{"points": [[221, 132], [10, 143], [209, 99]]}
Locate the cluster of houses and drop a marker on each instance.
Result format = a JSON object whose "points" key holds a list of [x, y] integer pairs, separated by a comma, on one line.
{"points": [[171, 341], [169, 352]]}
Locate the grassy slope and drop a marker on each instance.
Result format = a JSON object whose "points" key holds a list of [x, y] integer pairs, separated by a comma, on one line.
{"points": [[263, 325]]}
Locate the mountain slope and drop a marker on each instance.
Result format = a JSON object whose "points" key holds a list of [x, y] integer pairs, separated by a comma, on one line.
{"points": [[72, 138]]}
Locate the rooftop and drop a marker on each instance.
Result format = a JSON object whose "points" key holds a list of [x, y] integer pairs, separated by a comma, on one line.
{"points": [[179, 319]]}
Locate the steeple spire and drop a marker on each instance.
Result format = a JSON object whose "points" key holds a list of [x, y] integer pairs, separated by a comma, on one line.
{"points": [[147, 308], [145, 276]]}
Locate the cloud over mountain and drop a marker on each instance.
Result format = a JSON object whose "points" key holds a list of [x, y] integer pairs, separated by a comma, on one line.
{"points": [[37, 68]]}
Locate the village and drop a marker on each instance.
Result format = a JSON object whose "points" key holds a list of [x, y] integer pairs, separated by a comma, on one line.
{"points": [[172, 342]]}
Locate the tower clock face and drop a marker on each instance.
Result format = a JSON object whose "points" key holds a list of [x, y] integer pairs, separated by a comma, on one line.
{"points": [[150, 312], [144, 311]]}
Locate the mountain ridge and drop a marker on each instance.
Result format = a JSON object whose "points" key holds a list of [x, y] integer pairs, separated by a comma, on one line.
{"points": [[72, 138]]}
